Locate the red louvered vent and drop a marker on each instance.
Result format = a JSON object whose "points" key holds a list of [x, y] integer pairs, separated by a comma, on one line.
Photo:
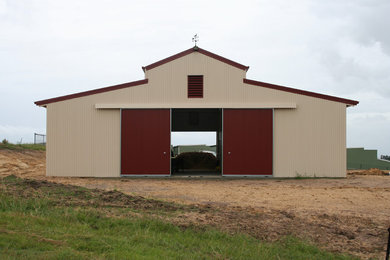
{"points": [[195, 86]]}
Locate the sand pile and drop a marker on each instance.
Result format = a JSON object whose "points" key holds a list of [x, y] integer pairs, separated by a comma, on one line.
{"points": [[372, 171]]}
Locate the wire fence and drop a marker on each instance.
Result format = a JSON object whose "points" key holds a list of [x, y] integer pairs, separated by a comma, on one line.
{"points": [[39, 139]]}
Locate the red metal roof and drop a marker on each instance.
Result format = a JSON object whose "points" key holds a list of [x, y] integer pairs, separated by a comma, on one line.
{"points": [[301, 92], [91, 92], [195, 49]]}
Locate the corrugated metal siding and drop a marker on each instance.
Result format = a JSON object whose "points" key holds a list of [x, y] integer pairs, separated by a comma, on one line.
{"points": [[247, 141], [85, 141], [221, 81], [145, 147], [82, 141], [310, 140]]}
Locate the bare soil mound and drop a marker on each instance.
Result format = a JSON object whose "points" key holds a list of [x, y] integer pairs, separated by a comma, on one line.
{"points": [[71, 195], [29, 163], [372, 171]]}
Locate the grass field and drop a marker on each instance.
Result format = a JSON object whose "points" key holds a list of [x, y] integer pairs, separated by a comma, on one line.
{"points": [[10, 146], [43, 220]]}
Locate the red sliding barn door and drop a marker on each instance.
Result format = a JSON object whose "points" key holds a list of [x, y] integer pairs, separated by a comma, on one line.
{"points": [[145, 142], [247, 141]]}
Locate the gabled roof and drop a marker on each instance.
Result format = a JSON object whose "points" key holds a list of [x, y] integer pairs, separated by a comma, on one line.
{"points": [[191, 50], [91, 92], [209, 54], [301, 92]]}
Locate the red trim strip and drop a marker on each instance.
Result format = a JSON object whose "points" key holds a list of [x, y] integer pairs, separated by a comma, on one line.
{"points": [[301, 92], [189, 51], [91, 92], [220, 58]]}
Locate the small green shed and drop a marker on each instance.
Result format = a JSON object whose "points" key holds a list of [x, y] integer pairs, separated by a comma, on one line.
{"points": [[359, 158]]}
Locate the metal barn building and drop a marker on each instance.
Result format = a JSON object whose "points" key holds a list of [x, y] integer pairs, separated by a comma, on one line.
{"points": [[262, 129]]}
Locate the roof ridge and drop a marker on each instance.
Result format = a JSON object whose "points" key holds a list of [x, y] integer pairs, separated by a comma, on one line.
{"points": [[191, 50]]}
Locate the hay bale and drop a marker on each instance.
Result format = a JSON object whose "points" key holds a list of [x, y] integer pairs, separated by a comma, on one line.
{"points": [[196, 161]]}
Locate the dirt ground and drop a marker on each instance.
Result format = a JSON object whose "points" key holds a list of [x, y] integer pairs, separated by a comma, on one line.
{"points": [[349, 215]]}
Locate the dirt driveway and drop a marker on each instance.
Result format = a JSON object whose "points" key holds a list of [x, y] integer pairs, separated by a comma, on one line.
{"points": [[355, 211]]}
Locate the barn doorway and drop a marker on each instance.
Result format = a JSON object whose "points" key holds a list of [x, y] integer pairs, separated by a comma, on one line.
{"points": [[196, 141], [244, 149]]}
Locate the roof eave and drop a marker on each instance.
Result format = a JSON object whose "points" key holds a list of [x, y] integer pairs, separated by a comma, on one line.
{"points": [[44, 102], [348, 102]]}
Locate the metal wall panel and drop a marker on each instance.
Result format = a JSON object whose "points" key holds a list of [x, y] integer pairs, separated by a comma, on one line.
{"points": [[247, 141], [311, 140], [145, 142], [82, 141]]}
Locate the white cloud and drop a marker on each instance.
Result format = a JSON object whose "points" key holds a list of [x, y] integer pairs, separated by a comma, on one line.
{"points": [[369, 130], [18, 133], [3, 7], [193, 138]]}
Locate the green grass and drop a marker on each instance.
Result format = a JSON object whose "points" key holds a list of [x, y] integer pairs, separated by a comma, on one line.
{"points": [[10, 146], [39, 227]]}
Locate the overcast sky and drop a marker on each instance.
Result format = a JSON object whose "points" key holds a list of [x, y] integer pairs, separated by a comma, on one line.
{"points": [[336, 47]]}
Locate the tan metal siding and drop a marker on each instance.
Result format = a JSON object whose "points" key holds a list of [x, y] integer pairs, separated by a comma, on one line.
{"points": [[310, 140], [85, 141], [221, 81], [82, 141]]}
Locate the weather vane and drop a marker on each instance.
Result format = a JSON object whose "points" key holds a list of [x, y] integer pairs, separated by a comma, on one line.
{"points": [[195, 39]]}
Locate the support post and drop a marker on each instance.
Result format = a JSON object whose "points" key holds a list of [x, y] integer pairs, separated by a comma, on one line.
{"points": [[388, 245]]}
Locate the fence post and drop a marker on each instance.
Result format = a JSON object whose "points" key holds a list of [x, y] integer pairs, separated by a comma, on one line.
{"points": [[37, 138], [388, 245]]}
